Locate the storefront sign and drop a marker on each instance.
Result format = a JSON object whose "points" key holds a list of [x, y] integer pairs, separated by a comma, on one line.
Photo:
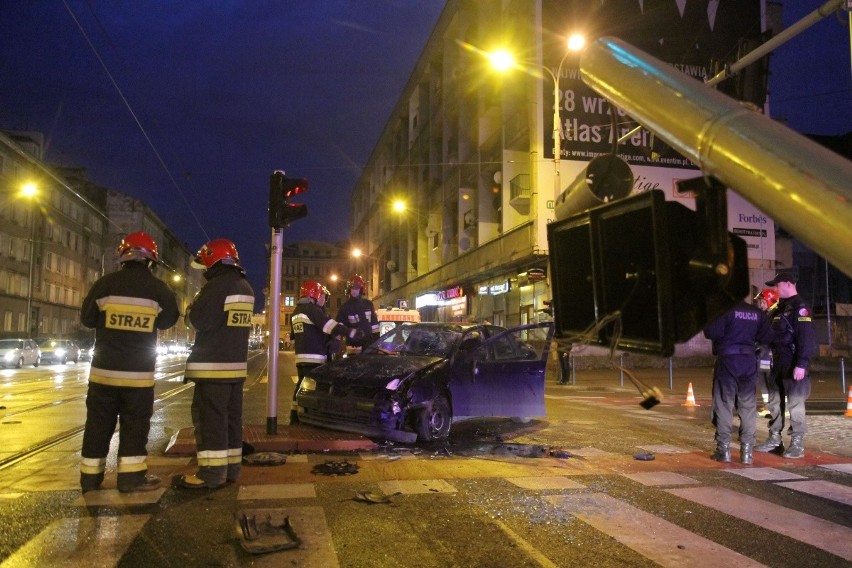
{"points": [[450, 293]]}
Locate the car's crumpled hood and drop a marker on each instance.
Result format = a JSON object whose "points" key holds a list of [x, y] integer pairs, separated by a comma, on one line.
{"points": [[372, 370]]}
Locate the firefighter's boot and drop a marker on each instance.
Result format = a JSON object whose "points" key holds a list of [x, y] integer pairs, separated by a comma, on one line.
{"points": [[745, 453], [772, 442], [797, 447], [722, 453]]}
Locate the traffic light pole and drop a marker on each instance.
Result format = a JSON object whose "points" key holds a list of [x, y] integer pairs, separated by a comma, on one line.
{"points": [[274, 330]]}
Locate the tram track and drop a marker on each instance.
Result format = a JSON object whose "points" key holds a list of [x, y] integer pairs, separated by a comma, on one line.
{"points": [[166, 373], [57, 439]]}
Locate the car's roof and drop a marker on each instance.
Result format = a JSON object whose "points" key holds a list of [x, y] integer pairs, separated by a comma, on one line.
{"points": [[450, 326]]}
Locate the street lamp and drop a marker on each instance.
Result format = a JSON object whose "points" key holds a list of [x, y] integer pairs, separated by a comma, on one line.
{"points": [[503, 60], [30, 191]]}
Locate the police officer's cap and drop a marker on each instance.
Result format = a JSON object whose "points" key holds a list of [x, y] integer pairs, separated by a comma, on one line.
{"points": [[784, 276]]}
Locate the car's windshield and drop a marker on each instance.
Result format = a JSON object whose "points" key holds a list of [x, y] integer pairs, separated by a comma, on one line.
{"points": [[10, 343], [49, 343], [417, 340]]}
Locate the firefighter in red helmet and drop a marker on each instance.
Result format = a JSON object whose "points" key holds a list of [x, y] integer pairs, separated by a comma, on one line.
{"points": [[221, 316], [312, 328], [358, 312], [126, 308], [766, 300]]}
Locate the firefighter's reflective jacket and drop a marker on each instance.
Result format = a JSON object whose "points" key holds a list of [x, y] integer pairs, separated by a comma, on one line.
{"points": [[126, 308], [221, 315], [311, 327]]}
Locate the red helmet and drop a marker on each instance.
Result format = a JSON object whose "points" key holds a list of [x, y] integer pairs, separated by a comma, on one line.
{"points": [[137, 246], [311, 289], [355, 281], [769, 296], [217, 250]]}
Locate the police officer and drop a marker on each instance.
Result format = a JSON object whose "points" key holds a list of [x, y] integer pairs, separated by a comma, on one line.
{"points": [[358, 312], [221, 315], [734, 335], [126, 308], [312, 328], [793, 345]]}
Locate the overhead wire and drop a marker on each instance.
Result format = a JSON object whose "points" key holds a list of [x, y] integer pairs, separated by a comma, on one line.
{"points": [[135, 118]]}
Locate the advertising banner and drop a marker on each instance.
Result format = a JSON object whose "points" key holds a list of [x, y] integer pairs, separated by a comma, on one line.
{"points": [[688, 34]]}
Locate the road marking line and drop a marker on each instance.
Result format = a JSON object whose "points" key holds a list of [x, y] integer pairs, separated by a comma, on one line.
{"points": [[799, 526], [100, 541], [545, 482], [653, 478], [277, 491], [820, 488], [841, 467], [764, 474], [413, 486], [114, 498], [525, 546], [654, 538]]}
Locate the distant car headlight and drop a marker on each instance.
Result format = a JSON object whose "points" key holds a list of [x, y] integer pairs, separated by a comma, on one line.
{"points": [[308, 385], [162, 350], [8, 356], [60, 352], [393, 385]]}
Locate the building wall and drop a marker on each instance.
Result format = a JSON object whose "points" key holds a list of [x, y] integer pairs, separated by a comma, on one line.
{"points": [[472, 153], [70, 231], [57, 232], [330, 264]]}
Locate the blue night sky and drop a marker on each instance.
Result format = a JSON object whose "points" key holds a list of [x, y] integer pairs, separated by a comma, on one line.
{"points": [[226, 92]]}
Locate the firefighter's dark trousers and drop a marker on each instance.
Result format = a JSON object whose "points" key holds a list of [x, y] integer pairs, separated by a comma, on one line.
{"points": [[735, 383], [131, 408], [217, 414]]}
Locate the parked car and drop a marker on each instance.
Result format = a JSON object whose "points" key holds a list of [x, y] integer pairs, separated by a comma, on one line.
{"points": [[411, 383], [58, 351], [19, 352]]}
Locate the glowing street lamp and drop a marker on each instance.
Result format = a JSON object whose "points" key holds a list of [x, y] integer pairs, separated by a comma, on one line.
{"points": [[503, 61], [30, 191]]}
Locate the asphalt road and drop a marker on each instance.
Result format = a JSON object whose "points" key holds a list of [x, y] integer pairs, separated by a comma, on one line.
{"points": [[561, 491]]}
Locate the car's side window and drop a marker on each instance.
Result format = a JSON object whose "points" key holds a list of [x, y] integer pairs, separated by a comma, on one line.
{"points": [[504, 348]]}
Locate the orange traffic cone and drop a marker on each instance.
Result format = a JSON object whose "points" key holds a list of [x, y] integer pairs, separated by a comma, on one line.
{"points": [[849, 403], [690, 397]]}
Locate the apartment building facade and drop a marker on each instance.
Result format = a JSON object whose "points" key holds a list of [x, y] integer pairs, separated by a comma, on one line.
{"points": [[471, 152]]}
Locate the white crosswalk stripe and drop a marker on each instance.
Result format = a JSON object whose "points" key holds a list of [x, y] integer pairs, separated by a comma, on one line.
{"points": [[805, 528], [654, 538], [820, 488]]}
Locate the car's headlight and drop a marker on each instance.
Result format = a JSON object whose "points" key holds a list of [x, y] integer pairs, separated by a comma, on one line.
{"points": [[8, 356], [60, 352], [393, 385], [308, 385]]}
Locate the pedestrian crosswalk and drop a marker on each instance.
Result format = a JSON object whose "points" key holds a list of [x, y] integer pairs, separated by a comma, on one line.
{"points": [[656, 533]]}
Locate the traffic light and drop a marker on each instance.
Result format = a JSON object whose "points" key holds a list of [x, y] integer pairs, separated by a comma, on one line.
{"points": [[281, 190], [643, 273]]}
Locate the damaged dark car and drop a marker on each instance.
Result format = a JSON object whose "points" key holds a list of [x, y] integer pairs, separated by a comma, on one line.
{"points": [[414, 381]]}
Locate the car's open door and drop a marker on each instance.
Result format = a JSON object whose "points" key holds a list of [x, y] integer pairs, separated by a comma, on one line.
{"points": [[505, 375]]}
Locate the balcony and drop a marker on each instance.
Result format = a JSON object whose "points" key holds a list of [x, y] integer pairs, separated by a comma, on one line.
{"points": [[519, 192]]}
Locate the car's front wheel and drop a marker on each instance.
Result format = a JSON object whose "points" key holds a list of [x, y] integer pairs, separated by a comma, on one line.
{"points": [[434, 422], [37, 362], [20, 363]]}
